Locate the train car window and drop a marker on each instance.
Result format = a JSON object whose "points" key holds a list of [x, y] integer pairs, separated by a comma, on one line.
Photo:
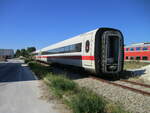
{"points": [[55, 51], [131, 49], [144, 58], [127, 49], [87, 46], [145, 48], [66, 49], [78, 47], [131, 58], [44, 52], [72, 48], [138, 48], [138, 58], [62, 49], [35, 54], [127, 57]]}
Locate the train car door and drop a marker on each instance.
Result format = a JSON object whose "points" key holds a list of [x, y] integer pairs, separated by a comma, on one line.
{"points": [[87, 50]]}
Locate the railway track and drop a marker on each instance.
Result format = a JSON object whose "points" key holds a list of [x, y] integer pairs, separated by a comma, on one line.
{"points": [[136, 83], [127, 87], [141, 91]]}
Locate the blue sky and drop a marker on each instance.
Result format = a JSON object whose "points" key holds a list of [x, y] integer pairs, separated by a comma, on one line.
{"points": [[39, 23]]}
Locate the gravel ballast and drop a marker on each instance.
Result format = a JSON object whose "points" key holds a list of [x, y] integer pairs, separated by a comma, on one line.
{"points": [[143, 74], [133, 86], [131, 101]]}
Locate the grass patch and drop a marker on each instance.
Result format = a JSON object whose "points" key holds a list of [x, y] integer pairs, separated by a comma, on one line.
{"points": [[80, 100], [60, 85], [113, 108], [61, 82], [86, 101], [40, 70], [134, 64], [27, 60]]}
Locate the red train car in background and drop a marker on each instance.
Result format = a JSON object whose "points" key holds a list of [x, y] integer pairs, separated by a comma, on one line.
{"points": [[139, 51]]}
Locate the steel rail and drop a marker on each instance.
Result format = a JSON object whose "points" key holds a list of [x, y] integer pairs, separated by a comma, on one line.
{"points": [[122, 86], [136, 83]]}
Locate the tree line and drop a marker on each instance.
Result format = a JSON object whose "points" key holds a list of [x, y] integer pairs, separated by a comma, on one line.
{"points": [[25, 52]]}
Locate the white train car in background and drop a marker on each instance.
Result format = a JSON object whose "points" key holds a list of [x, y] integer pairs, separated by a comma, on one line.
{"points": [[98, 51]]}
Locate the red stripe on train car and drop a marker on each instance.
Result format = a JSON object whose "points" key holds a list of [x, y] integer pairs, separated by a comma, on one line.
{"points": [[88, 58], [70, 57]]}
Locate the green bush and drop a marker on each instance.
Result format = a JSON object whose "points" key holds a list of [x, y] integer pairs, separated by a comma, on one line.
{"points": [[87, 102], [28, 60], [60, 82], [39, 70]]}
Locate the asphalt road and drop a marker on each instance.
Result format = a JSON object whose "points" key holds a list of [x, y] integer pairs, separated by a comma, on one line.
{"points": [[20, 92]]}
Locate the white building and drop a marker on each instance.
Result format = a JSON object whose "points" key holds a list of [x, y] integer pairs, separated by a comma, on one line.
{"points": [[6, 53]]}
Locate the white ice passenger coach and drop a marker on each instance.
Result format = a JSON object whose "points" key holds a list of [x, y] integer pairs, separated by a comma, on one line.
{"points": [[98, 51]]}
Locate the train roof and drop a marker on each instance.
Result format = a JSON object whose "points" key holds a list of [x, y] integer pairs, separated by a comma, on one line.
{"points": [[138, 44], [67, 41]]}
